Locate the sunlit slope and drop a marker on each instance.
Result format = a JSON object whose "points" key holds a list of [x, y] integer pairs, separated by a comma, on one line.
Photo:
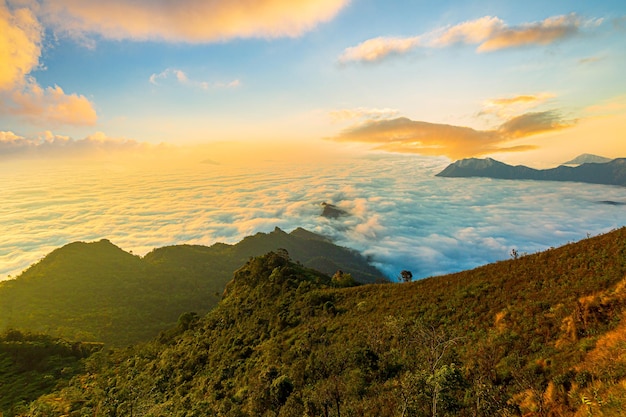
{"points": [[98, 292], [535, 336], [33, 364]]}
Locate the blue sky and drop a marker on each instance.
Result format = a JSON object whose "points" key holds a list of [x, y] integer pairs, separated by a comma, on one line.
{"points": [[299, 71]]}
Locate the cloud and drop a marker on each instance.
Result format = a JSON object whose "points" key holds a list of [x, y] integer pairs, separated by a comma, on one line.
{"points": [[538, 33], [20, 45], [456, 142], [182, 78], [488, 33], [534, 123], [590, 60], [50, 106], [376, 49], [533, 100], [470, 32], [402, 216], [49, 145], [508, 107], [193, 21], [405, 135], [362, 113], [20, 95]]}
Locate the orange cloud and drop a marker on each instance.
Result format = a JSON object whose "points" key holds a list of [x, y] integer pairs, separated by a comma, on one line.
{"points": [[488, 32], [51, 145], [524, 99], [472, 32], [538, 33], [20, 95], [193, 21], [506, 107], [50, 106], [533, 123], [362, 113], [20, 45], [378, 48], [409, 136]]}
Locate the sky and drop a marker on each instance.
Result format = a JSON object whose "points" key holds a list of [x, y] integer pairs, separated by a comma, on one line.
{"points": [[533, 82]]}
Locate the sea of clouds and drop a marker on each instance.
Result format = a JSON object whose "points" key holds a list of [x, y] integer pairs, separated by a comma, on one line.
{"points": [[401, 215]]}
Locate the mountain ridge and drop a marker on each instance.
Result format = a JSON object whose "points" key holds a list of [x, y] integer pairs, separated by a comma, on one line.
{"points": [[98, 292], [608, 173]]}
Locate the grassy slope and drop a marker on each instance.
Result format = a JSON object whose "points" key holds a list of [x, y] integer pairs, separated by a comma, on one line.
{"points": [[540, 335]]}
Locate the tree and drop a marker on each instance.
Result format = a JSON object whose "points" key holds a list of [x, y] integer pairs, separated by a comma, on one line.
{"points": [[432, 382], [406, 276], [343, 279]]}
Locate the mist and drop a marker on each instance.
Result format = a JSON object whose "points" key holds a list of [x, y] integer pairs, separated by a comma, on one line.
{"points": [[400, 216]]}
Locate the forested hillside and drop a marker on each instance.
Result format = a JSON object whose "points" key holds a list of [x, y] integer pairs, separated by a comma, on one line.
{"points": [[98, 292], [33, 364], [542, 335]]}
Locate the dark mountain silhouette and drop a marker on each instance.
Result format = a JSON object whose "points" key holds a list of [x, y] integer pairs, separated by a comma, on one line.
{"points": [[609, 173], [332, 212], [98, 292]]}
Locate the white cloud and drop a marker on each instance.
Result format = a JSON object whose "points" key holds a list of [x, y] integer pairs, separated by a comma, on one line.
{"points": [[182, 78], [402, 217]]}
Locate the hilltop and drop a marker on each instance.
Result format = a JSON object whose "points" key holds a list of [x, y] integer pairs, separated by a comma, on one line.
{"points": [[98, 292], [587, 158], [609, 173], [541, 335]]}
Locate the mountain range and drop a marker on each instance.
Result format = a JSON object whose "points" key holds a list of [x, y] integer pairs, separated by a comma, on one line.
{"points": [[98, 292], [609, 173]]}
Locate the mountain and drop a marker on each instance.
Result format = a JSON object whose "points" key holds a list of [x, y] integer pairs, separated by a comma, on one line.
{"points": [[588, 158], [98, 292], [541, 335], [609, 173], [332, 212]]}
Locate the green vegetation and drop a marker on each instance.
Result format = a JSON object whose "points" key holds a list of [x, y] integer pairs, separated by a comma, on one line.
{"points": [[97, 292], [32, 365], [541, 335]]}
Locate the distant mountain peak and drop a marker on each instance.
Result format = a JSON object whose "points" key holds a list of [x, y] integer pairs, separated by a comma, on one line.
{"points": [[331, 211], [587, 158]]}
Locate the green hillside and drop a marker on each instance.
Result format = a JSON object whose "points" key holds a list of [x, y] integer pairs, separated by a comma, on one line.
{"points": [[32, 365], [542, 335], [98, 292]]}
